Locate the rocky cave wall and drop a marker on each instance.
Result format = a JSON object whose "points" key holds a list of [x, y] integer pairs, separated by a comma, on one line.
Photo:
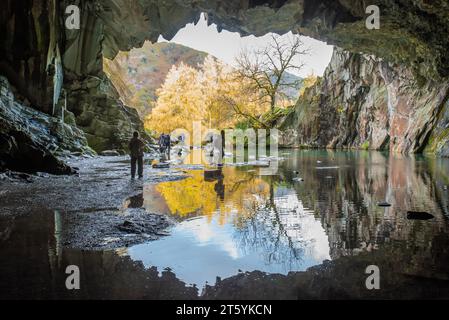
{"points": [[365, 102], [413, 35], [35, 39]]}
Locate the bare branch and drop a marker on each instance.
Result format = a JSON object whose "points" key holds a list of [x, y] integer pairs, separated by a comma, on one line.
{"points": [[265, 68]]}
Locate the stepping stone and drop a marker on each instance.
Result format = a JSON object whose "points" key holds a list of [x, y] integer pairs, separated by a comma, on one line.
{"points": [[384, 204], [110, 153], [418, 215], [161, 165], [262, 164]]}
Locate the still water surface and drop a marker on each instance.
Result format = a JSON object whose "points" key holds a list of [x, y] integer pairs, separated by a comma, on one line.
{"points": [[240, 221], [319, 206]]}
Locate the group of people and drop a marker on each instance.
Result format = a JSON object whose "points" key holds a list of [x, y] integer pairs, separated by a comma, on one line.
{"points": [[136, 149]]}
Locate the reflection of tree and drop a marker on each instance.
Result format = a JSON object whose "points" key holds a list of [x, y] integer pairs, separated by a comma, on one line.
{"points": [[248, 202], [198, 196], [265, 230]]}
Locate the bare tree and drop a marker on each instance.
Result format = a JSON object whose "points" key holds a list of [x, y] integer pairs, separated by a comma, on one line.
{"points": [[265, 68]]}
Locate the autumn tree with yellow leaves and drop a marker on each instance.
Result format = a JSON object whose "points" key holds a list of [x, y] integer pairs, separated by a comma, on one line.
{"points": [[210, 94]]}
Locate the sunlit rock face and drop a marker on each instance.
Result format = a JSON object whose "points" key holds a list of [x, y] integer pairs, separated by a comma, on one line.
{"points": [[365, 102]]}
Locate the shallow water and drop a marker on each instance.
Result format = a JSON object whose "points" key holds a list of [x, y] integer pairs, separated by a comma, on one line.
{"points": [[319, 206], [239, 221]]}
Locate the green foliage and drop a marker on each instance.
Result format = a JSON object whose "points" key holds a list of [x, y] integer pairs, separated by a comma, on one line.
{"points": [[244, 124], [271, 117], [365, 145]]}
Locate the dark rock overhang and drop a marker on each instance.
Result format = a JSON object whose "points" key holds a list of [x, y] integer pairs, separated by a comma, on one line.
{"points": [[412, 32]]}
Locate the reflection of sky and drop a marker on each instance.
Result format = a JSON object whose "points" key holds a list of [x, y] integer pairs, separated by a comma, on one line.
{"points": [[199, 250]]}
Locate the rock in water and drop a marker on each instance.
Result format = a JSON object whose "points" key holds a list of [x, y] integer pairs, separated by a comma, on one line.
{"points": [[384, 204], [418, 215], [110, 153], [259, 163], [298, 179], [161, 165]]}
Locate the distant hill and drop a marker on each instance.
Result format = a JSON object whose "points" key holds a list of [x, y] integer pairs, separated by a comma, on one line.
{"points": [[290, 92], [137, 74]]}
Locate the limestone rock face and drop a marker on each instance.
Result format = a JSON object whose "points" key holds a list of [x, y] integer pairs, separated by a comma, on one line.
{"points": [[25, 45], [99, 112], [365, 102], [31, 141]]}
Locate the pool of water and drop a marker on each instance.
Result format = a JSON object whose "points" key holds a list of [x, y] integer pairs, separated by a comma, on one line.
{"points": [[239, 222], [312, 226], [318, 206]]}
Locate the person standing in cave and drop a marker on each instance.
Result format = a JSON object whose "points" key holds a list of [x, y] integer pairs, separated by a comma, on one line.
{"points": [[164, 145], [167, 144], [136, 147]]}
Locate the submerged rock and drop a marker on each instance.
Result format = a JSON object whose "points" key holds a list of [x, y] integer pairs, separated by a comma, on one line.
{"points": [[418, 215]]}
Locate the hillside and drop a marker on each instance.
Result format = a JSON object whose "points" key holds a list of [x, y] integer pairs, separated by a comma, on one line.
{"points": [[137, 74]]}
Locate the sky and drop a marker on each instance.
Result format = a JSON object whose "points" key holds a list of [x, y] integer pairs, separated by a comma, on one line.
{"points": [[226, 45]]}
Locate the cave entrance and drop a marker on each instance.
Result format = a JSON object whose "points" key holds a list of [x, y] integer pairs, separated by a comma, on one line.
{"points": [[201, 67]]}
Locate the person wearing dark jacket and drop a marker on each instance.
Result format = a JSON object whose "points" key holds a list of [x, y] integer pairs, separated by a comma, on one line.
{"points": [[136, 147], [165, 144]]}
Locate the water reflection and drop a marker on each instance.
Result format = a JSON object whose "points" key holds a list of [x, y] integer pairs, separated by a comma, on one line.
{"points": [[33, 265], [239, 221], [244, 221]]}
